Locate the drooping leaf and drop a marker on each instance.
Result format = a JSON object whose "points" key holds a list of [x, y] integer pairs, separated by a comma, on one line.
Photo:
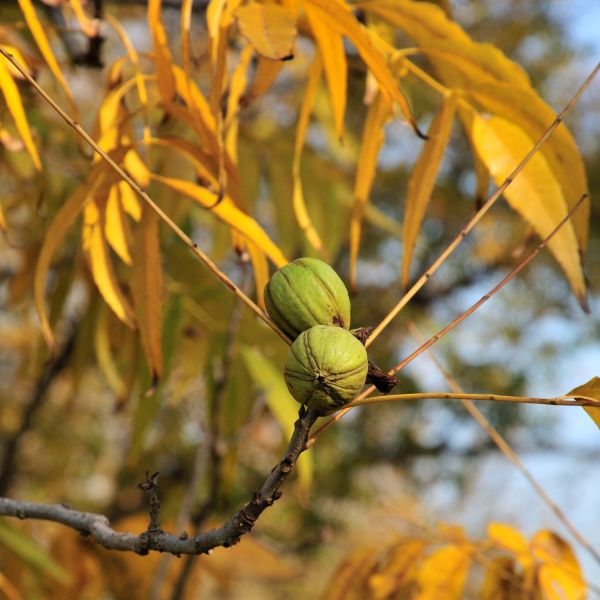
{"points": [[300, 210], [333, 58], [501, 581], [162, 54], [591, 389], [15, 106], [336, 15], [270, 29], [443, 574], [511, 539], [116, 227], [372, 140], [266, 72], [260, 268], [147, 289], [227, 212], [281, 404], [422, 179], [535, 193], [97, 252], [90, 27], [350, 580], [37, 31], [559, 577]]}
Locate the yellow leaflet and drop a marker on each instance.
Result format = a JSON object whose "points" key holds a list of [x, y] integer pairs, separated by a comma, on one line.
{"points": [[501, 582], [399, 569], [116, 228], [458, 57], [336, 15], [94, 245], [590, 389], [162, 54], [237, 87], [525, 108], [304, 221], [372, 139], [511, 539], [16, 53], [350, 580], [37, 31], [444, 573], [130, 201], [260, 267], [270, 29], [186, 21], [89, 26], [333, 56], [422, 179], [266, 72], [104, 355], [55, 234], [559, 575], [228, 213], [535, 193], [147, 289], [15, 106]]}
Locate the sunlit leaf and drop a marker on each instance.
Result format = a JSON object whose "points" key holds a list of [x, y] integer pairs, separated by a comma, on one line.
{"points": [[443, 574], [501, 582], [284, 408], [97, 252], [372, 140], [147, 289], [227, 212], [37, 31], [15, 106], [535, 193], [266, 72], [559, 576], [511, 539], [116, 228], [591, 389], [422, 179], [270, 29], [130, 201], [300, 210], [337, 15], [90, 27], [350, 580], [162, 54]]}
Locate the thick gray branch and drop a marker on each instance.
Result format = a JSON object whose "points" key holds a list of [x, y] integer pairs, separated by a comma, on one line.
{"points": [[97, 526]]}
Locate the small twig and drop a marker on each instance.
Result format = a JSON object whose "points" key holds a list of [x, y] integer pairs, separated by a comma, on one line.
{"points": [[97, 526], [150, 487], [146, 198], [480, 213], [558, 401], [375, 375]]}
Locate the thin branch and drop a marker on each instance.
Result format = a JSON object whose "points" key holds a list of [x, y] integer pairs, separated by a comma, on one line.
{"points": [[432, 340], [146, 198], [506, 449], [480, 213], [558, 401], [98, 527]]}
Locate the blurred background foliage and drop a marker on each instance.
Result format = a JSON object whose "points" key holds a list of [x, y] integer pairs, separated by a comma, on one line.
{"points": [[208, 426]]}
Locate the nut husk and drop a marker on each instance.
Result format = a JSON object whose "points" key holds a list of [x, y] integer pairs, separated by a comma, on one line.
{"points": [[304, 293], [325, 368]]}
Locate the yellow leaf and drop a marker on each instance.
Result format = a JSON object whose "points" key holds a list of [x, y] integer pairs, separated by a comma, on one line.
{"points": [[266, 72], [336, 15], [525, 108], [511, 539], [559, 575], [399, 569], [444, 573], [535, 193], [16, 53], [116, 228], [37, 31], [350, 579], [90, 27], [15, 106], [456, 58], [3, 225], [130, 201], [94, 245], [422, 179], [280, 402], [372, 140], [260, 268], [591, 389], [55, 234], [501, 582], [298, 203], [147, 289], [333, 57], [270, 29], [162, 54], [227, 212]]}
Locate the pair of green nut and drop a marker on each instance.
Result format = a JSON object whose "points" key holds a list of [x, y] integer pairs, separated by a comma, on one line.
{"points": [[326, 365]]}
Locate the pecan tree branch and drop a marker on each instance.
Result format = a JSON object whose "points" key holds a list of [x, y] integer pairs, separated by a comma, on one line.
{"points": [[97, 526]]}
